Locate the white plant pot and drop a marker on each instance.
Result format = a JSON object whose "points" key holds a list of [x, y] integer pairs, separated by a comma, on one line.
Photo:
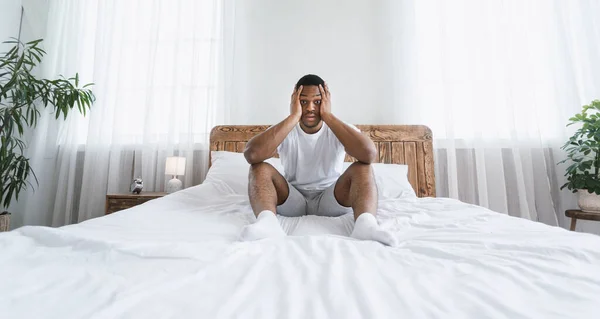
{"points": [[588, 202], [4, 222]]}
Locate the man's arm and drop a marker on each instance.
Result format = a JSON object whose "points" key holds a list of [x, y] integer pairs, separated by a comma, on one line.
{"points": [[264, 145], [356, 144]]}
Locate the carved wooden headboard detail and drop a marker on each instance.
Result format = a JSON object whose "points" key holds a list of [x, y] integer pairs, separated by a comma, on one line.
{"points": [[397, 144]]}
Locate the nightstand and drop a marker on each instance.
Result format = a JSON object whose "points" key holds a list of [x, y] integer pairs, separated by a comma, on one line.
{"points": [[576, 214], [117, 202]]}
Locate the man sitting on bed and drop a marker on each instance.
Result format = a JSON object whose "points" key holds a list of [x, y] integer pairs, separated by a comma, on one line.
{"points": [[312, 143]]}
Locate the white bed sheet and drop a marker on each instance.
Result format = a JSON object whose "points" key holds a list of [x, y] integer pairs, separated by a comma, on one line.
{"points": [[178, 257]]}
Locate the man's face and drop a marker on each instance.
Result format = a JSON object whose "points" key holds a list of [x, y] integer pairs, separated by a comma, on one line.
{"points": [[310, 100]]}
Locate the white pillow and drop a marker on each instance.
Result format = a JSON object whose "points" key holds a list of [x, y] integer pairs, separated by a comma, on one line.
{"points": [[392, 180], [231, 169]]}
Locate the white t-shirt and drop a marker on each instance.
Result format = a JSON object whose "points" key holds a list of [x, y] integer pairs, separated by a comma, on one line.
{"points": [[312, 161]]}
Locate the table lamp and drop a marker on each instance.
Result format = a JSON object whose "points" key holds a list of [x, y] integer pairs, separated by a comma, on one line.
{"points": [[175, 166]]}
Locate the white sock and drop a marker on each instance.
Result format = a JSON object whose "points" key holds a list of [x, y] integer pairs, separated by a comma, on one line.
{"points": [[367, 228], [266, 226]]}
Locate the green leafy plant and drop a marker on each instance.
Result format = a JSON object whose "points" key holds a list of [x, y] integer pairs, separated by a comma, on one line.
{"points": [[583, 151], [22, 95]]}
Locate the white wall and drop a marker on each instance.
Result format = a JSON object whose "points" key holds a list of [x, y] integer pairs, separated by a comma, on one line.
{"points": [[10, 13], [276, 42], [34, 20], [35, 17]]}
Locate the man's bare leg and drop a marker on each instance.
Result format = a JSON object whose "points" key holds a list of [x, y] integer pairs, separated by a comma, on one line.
{"points": [[356, 188], [266, 189]]}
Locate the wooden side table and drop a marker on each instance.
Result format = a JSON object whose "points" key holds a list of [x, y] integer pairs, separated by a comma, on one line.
{"points": [[579, 214], [117, 202]]}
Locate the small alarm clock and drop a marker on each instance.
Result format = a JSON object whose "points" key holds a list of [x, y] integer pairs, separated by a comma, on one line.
{"points": [[137, 185]]}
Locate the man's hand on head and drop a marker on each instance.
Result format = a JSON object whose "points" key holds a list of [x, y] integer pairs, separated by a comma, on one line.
{"points": [[264, 145], [295, 106], [325, 101]]}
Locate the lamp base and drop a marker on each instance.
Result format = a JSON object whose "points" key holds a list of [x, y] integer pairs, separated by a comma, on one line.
{"points": [[174, 185]]}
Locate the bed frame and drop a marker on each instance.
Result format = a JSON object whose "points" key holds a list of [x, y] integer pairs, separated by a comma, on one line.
{"points": [[397, 144]]}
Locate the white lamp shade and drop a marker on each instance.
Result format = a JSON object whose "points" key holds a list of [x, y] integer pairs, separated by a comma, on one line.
{"points": [[175, 166]]}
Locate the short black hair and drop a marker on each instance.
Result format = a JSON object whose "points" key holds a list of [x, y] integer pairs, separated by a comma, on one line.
{"points": [[310, 79]]}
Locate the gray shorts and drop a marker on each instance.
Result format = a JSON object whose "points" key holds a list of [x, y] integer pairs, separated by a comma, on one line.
{"points": [[322, 203]]}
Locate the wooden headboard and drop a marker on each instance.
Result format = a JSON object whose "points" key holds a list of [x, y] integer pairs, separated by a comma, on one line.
{"points": [[397, 144]]}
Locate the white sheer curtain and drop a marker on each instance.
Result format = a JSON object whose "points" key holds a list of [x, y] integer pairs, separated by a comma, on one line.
{"points": [[156, 66], [496, 81]]}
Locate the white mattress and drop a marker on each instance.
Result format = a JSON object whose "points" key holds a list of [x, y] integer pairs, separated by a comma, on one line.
{"points": [[178, 257]]}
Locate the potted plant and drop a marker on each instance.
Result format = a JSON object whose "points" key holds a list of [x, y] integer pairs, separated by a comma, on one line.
{"points": [[583, 152], [21, 96]]}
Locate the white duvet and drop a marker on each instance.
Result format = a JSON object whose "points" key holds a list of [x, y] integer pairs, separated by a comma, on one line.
{"points": [[178, 257]]}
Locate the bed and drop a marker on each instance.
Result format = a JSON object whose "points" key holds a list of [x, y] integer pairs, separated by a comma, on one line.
{"points": [[179, 257], [396, 144]]}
